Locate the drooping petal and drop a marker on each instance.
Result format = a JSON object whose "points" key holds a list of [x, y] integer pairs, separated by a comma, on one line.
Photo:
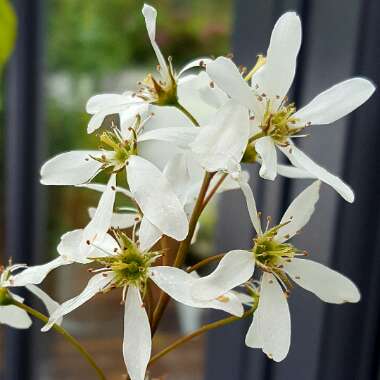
{"points": [[102, 101], [149, 234], [101, 222], [235, 268], [336, 102], [150, 15], [157, 200], [36, 274], [50, 304], [137, 344], [300, 159], [267, 151], [299, 212], [276, 76], [293, 172], [96, 284], [71, 168], [224, 140], [178, 285], [227, 76], [271, 321], [180, 136], [118, 220], [251, 205], [327, 284], [14, 317]]}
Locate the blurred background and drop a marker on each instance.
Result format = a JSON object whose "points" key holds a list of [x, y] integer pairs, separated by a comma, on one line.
{"points": [[68, 50]]}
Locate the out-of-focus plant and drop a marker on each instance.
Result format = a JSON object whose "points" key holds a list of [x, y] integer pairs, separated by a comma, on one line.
{"points": [[8, 22]]}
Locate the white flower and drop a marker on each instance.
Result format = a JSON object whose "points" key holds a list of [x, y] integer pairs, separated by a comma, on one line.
{"points": [[277, 259], [29, 277], [128, 267], [162, 92], [149, 187], [275, 121]]}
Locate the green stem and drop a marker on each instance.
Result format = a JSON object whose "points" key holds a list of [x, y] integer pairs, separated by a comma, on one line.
{"points": [[256, 137], [200, 331], [65, 334], [183, 249], [187, 113]]}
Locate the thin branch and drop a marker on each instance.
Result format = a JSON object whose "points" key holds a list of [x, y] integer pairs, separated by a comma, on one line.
{"points": [[204, 262], [214, 190]]}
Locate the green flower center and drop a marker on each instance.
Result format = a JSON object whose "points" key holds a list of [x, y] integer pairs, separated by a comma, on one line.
{"points": [[280, 125]]}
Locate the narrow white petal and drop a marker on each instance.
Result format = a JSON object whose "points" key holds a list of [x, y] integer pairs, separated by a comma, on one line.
{"points": [[224, 140], [327, 284], [300, 159], [102, 187], [254, 337], [50, 304], [71, 168], [230, 183], [267, 151], [251, 204], [273, 320], [96, 284], [180, 136], [36, 274], [99, 102], [178, 285], [276, 76], [118, 220], [227, 76], [195, 63], [14, 317], [101, 222], [299, 212], [337, 101], [235, 268], [150, 15], [149, 234], [293, 172], [137, 344], [157, 200]]}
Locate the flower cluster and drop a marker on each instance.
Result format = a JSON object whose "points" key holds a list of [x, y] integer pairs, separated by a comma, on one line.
{"points": [[178, 139]]}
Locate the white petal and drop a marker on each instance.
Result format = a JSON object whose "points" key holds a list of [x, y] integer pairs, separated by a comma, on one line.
{"points": [[36, 274], [50, 304], [230, 183], [177, 173], [156, 198], [273, 321], [327, 284], [227, 76], [149, 234], [195, 63], [293, 172], [254, 337], [137, 344], [118, 220], [14, 317], [71, 168], [300, 159], [251, 204], [276, 76], [178, 285], [180, 136], [101, 222], [99, 102], [102, 187], [150, 15], [235, 268], [96, 284], [299, 212], [267, 151], [224, 140], [72, 249], [337, 101]]}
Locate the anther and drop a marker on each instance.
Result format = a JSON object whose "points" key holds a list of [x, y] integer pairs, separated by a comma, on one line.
{"points": [[212, 84], [88, 242], [113, 188]]}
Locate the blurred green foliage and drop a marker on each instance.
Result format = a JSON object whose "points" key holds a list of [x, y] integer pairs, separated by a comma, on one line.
{"points": [[8, 26], [95, 36]]}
